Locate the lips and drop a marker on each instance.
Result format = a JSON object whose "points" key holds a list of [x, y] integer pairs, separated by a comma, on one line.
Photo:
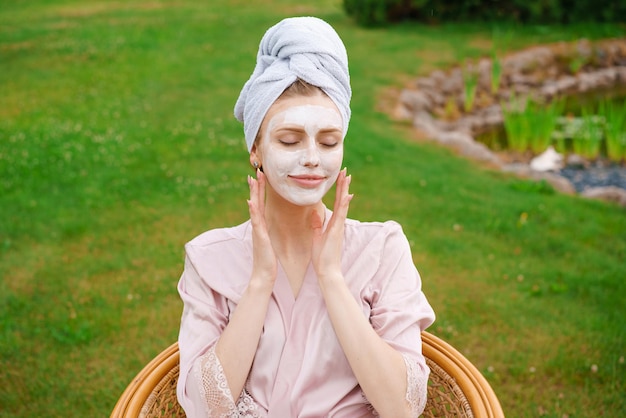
{"points": [[308, 180]]}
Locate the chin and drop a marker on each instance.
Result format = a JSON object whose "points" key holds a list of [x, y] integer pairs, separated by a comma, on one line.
{"points": [[305, 198], [305, 202]]}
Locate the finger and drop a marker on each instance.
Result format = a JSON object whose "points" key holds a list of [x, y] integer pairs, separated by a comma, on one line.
{"points": [[340, 212], [253, 201], [339, 188], [341, 182], [256, 203], [342, 201], [261, 190]]}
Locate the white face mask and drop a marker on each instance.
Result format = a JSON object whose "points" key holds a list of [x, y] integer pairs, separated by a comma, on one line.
{"points": [[302, 148]]}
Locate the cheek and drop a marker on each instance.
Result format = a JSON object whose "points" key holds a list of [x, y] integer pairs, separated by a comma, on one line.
{"points": [[280, 162], [332, 161]]}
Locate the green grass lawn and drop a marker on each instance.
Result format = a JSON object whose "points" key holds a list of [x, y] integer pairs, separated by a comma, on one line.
{"points": [[118, 145]]}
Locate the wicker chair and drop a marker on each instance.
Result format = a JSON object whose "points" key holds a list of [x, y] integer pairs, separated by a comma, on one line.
{"points": [[455, 388]]}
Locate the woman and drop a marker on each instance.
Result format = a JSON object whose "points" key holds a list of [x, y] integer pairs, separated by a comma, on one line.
{"points": [[301, 312]]}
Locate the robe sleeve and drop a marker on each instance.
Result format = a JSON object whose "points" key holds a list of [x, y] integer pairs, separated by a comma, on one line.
{"points": [[202, 387], [400, 312]]}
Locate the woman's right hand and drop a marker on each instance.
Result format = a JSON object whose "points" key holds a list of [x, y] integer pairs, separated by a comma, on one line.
{"points": [[264, 264]]}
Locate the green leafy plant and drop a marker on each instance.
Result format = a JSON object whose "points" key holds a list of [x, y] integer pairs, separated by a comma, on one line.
{"points": [[614, 129], [541, 122], [531, 125], [515, 124], [500, 41], [496, 73], [576, 64], [470, 83], [587, 139]]}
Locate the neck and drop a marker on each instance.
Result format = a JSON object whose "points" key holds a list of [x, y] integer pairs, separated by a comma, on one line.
{"points": [[289, 225]]}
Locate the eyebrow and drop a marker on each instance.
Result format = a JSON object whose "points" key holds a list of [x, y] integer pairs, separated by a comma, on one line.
{"points": [[300, 129], [329, 130]]}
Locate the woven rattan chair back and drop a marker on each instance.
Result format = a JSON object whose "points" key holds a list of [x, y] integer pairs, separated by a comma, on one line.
{"points": [[455, 387]]}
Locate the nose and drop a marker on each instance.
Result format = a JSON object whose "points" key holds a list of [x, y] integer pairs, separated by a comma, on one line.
{"points": [[311, 157]]}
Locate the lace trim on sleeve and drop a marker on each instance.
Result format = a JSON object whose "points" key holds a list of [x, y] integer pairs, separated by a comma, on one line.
{"points": [[214, 390], [417, 383]]}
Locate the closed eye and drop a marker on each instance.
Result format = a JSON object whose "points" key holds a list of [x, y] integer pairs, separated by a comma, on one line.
{"points": [[288, 142], [330, 140]]}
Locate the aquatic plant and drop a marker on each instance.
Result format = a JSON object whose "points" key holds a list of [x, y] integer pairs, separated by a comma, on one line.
{"points": [[496, 72], [541, 122], [614, 129], [587, 139], [531, 125], [470, 81], [515, 124], [500, 41]]}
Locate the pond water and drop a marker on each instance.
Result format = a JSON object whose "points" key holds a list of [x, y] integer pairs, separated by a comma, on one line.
{"points": [[597, 174]]}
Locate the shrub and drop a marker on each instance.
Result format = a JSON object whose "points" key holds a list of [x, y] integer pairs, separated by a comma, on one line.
{"points": [[379, 12]]}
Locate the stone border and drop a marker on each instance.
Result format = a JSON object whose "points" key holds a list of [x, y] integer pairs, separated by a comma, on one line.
{"points": [[435, 103]]}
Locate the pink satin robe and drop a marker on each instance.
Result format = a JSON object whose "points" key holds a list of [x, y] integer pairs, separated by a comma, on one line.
{"points": [[299, 369]]}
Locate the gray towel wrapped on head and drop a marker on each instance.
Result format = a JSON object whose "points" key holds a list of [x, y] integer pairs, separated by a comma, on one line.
{"points": [[307, 48]]}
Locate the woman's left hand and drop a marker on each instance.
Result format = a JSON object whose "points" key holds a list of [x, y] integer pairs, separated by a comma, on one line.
{"points": [[327, 245]]}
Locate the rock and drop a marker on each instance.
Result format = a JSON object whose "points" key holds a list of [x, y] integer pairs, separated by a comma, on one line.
{"points": [[517, 169], [562, 85], [484, 74], [586, 82], [426, 83], [401, 112], [469, 148], [595, 80], [436, 97], [584, 48], [520, 89], [415, 101], [607, 76], [608, 193], [426, 124], [525, 61], [453, 84], [620, 75], [549, 160], [438, 76], [576, 161], [525, 79], [454, 138], [492, 116], [466, 125], [566, 84]]}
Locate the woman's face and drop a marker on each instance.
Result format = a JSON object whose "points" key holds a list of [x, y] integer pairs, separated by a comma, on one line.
{"points": [[301, 147]]}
